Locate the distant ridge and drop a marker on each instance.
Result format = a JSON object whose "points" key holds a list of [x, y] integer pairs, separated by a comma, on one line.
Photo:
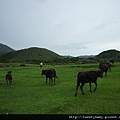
{"points": [[35, 54], [29, 54], [87, 56], [5, 49]]}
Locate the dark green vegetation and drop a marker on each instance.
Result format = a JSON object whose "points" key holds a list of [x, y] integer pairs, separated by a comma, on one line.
{"points": [[5, 49], [30, 95], [113, 54], [37, 55], [29, 55]]}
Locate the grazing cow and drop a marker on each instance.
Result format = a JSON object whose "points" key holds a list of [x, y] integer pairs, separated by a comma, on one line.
{"points": [[112, 61], [50, 73], [22, 65], [104, 67], [87, 77], [9, 78], [109, 65]]}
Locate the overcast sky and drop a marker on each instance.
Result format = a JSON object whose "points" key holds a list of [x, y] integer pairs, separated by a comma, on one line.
{"points": [[67, 27]]}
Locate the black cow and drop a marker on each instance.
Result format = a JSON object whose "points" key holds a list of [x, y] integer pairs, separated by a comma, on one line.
{"points": [[109, 65], [87, 77], [104, 67], [112, 61], [50, 73], [9, 78], [22, 65]]}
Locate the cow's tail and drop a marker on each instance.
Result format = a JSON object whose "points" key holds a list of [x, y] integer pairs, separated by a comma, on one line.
{"points": [[56, 77], [78, 84]]}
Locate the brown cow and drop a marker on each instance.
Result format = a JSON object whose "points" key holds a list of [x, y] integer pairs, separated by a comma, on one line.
{"points": [[109, 65], [87, 77], [50, 73], [104, 67], [9, 78]]}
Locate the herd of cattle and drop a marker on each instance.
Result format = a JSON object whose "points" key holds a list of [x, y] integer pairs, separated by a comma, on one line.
{"points": [[82, 77]]}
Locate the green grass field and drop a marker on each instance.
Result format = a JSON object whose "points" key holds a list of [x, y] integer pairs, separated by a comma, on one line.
{"points": [[30, 95]]}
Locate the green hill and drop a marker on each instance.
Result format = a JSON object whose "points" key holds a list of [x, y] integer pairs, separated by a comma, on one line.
{"points": [[30, 54], [109, 54], [5, 49]]}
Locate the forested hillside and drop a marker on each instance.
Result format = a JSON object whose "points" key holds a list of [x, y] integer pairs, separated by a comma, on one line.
{"points": [[109, 54], [29, 55], [36, 55], [5, 49]]}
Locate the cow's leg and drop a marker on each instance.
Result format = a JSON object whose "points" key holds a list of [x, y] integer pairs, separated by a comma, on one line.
{"points": [[110, 69], [105, 73], [46, 80], [81, 87], [76, 90], [90, 87], [7, 81], [54, 80], [51, 81], [10, 82], [95, 86]]}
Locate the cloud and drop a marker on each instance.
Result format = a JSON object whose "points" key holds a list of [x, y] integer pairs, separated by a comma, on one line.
{"points": [[64, 26], [72, 46], [106, 23]]}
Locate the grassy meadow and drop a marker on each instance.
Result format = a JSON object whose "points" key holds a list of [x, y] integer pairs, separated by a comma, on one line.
{"points": [[30, 95]]}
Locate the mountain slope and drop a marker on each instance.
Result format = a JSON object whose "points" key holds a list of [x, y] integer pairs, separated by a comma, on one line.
{"points": [[109, 54], [5, 49], [29, 54]]}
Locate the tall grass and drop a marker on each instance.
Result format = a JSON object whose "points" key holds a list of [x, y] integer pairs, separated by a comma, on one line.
{"points": [[30, 95]]}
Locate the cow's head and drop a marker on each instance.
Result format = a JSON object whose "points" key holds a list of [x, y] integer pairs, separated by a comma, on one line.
{"points": [[9, 72], [100, 73], [44, 72]]}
